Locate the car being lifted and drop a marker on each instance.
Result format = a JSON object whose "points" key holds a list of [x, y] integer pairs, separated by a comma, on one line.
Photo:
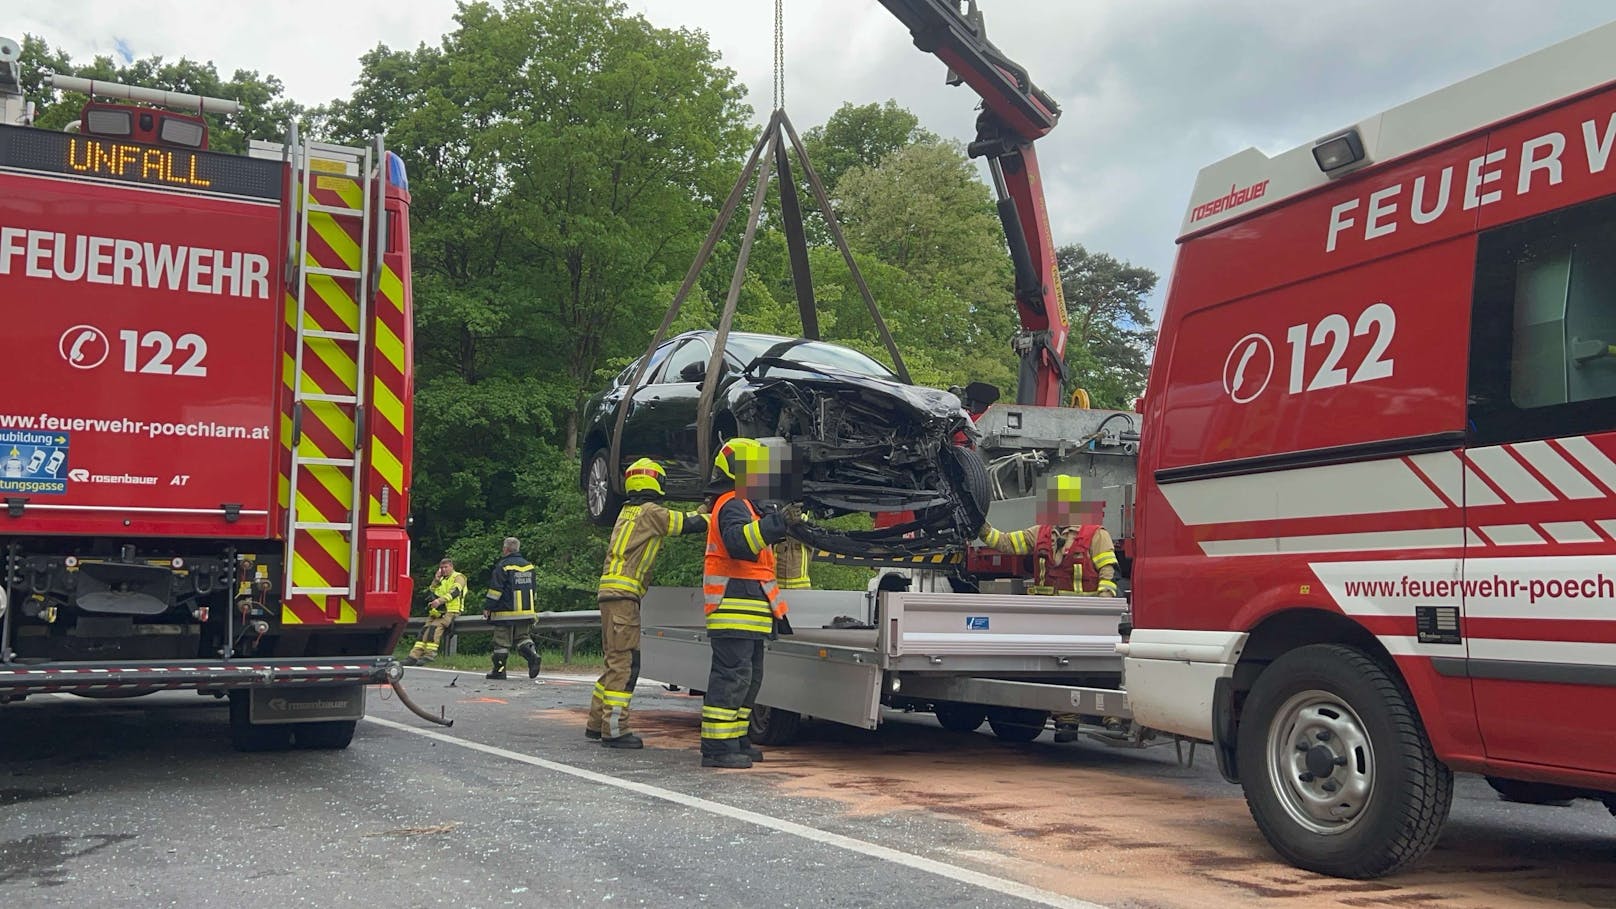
{"points": [[862, 439]]}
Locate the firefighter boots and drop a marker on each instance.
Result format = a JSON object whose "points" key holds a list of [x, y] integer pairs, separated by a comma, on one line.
{"points": [[498, 672], [750, 750], [530, 653], [592, 734], [626, 740], [729, 760]]}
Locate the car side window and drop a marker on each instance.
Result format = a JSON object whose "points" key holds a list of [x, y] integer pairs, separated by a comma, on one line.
{"points": [[657, 357], [1543, 351], [694, 350]]}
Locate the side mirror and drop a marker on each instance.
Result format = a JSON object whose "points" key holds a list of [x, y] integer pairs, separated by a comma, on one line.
{"points": [[693, 372]]}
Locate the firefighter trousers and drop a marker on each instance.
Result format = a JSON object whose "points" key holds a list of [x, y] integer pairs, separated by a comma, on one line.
{"points": [[435, 630], [509, 635], [620, 639], [732, 689]]}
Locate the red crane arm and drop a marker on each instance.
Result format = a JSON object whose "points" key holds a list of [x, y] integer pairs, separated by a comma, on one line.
{"points": [[1015, 113]]}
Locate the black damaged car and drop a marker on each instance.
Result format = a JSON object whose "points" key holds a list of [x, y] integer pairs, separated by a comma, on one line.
{"points": [[862, 439]]}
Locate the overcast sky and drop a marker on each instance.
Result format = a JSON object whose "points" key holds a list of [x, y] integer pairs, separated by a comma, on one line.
{"points": [[1152, 90]]}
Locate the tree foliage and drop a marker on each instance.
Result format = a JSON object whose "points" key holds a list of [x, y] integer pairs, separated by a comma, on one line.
{"points": [[265, 111], [1112, 329]]}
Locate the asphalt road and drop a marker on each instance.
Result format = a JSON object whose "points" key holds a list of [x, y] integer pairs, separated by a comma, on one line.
{"points": [[142, 803]]}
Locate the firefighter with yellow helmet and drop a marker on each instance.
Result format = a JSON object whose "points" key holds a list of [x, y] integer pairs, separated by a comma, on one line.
{"points": [[632, 550], [1069, 558], [742, 597]]}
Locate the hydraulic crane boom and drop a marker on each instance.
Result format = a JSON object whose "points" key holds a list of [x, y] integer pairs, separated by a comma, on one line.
{"points": [[1015, 113]]}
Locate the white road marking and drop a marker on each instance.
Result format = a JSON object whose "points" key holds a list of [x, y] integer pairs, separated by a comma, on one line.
{"points": [[813, 834]]}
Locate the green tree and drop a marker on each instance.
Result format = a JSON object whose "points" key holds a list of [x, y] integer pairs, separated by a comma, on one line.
{"points": [[861, 135], [924, 213], [265, 112], [565, 160], [1112, 330]]}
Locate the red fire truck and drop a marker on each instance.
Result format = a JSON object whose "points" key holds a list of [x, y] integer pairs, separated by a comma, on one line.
{"points": [[1376, 527], [204, 465]]}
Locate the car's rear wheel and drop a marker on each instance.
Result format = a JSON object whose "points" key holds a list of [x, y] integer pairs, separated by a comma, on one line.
{"points": [[600, 499]]}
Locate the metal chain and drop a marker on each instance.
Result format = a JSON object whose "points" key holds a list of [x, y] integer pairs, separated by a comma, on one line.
{"points": [[779, 55]]}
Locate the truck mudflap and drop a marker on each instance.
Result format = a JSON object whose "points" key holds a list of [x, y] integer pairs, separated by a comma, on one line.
{"points": [[138, 677]]}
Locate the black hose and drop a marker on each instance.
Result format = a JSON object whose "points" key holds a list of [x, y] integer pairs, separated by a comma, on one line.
{"points": [[403, 698]]}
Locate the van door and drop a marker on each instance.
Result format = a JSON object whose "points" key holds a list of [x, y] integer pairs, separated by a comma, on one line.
{"points": [[1540, 489]]}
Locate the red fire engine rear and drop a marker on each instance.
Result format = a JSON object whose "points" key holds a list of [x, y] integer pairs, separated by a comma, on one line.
{"points": [[203, 458], [1377, 494]]}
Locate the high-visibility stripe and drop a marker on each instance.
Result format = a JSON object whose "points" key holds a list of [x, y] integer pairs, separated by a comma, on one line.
{"points": [[761, 626], [754, 537], [1104, 559]]}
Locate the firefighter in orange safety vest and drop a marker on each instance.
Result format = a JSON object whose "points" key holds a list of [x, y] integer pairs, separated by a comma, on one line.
{"points": [[1069, 558], [742, 597], [636, 540]]}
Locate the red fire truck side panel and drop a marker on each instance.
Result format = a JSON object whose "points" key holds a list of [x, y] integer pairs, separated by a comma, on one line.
{"points": [[1388, 400], [142, 329]]}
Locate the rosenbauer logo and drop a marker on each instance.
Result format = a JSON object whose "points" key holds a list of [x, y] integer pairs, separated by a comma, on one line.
{"points": [[1236, 197]]}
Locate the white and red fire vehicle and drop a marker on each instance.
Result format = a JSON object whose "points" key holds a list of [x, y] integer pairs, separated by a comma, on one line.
{"points": [[1376, 505]]}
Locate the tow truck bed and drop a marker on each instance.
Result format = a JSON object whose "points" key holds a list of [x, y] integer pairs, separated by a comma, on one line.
{"points": [[1036, 653]]}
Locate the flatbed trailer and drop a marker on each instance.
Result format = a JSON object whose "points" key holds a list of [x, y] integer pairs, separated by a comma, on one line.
{"points": [[1011, 660]]}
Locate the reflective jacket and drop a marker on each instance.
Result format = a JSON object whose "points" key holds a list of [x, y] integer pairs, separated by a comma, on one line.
{"points": [[511, 594], [742, 598], [452, 590], [635, 543], [1055, 571], [791, 558]]}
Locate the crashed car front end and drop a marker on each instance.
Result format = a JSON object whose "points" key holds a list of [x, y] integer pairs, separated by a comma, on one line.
{"points": [[865, 444]]}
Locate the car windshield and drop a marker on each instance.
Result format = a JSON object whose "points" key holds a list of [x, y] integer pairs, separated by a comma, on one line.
{"points": [[818, 353]]}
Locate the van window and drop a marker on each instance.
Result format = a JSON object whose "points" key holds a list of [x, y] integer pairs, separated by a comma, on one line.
{"points": [[1543, 342]]}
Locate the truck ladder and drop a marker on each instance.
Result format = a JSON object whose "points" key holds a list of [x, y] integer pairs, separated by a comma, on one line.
{"points": [[331, 272]]}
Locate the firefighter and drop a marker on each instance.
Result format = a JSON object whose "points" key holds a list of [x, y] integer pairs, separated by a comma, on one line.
{"points": [[1069, 558], [448, 599], [791, 559], [636, 539], [511, 607], [742, 597]]}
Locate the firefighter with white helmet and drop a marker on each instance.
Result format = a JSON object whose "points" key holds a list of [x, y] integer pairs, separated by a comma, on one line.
{"points": [[632, 550], [1069, 557]]}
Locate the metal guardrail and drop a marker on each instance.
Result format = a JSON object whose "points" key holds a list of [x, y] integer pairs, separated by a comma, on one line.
{"points": [[567, 623]]}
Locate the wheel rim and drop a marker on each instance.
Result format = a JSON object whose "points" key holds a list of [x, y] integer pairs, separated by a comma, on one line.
{"points": [[599, 487], [1321, 762]]}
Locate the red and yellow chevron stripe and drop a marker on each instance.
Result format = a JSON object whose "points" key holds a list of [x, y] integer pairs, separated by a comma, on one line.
{"points": [[321, 558]]}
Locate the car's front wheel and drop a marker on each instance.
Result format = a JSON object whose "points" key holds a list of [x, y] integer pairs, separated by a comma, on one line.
{"points": [[600, 499]]}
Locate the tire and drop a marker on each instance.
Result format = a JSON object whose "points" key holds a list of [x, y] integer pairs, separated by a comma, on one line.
{"points": [[1532, 793], [244, 736], [965, 471], [957, 717], [332, 735], [1017, 724], [601, 500], [1390, 794], [773, 726]]}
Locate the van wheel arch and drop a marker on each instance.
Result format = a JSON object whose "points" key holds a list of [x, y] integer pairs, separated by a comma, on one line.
{"points": [[1270, 639]]}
